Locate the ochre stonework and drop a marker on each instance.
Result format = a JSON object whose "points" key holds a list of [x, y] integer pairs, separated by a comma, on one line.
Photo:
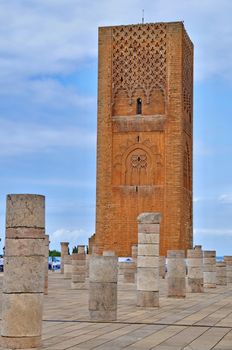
{"points": [[144, 149]]}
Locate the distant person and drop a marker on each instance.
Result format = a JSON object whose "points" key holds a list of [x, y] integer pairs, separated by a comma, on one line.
{"points": [[1, 264]]}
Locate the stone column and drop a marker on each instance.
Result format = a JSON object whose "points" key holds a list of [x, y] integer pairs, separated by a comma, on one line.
{"points": [[221, 273], [148, 259], [228, 261], [129, 272], [134, 253], [68, 267], [87, 270], [209, 268], [176, 272], [64, 252], [195, 271], [79, 269], [162, 266], [46, 254], [103, 288], [23, 283]]}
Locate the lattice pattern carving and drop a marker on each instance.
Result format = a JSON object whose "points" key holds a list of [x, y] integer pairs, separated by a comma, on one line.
{"points": [[139, 161], [139, 59], [187, 76]]}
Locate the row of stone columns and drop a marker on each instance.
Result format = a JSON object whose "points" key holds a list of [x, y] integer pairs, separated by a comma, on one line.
{"points": [[25, 278]]}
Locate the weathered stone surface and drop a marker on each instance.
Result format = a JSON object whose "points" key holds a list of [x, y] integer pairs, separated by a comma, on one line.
{"points": [[162, 266], [129, 277], [147, 299], [25, 210], [195, 270], [145, 238], [103, 315], [81, 249], [67, 271], [24, 271], [176, 271], [148, 261], [24, 247], [208, 254], [103, 269], [148, 249], [64, 252], [20, 342], [221, 273], [210, 283], [102, 296], [134, 252], [194, 253], [22, 315], [195, 285], [25, 232], [103, 288], [148, 279], [23, 274], [176, 268], [209, 268], [152, 229], [149, 218], [176, 287], [78, 285], [46, 254]]}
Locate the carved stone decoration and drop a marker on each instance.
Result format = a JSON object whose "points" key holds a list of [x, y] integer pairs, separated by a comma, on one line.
{"points": [[187, 168], [137, 170], [137, 164], [139, 59], [187, 77]]}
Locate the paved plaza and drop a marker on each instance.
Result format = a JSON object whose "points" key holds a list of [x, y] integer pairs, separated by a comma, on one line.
{"points": [[199, 322]]}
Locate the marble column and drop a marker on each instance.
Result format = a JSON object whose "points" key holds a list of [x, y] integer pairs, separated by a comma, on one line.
{"points": [[209, 268], [68, 267], [195, 280], [176, 273], [162, 266], [64, 252], [103, 288], [221, 273], [79, 268], [148, 259], [228, 261], [46, 255], [23, 283]]}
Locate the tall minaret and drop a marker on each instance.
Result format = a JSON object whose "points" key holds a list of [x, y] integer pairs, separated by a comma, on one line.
{"points": [[145, 123]]}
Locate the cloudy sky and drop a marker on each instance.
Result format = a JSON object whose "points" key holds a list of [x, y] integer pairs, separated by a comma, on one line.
{"points": [[48, 89]]}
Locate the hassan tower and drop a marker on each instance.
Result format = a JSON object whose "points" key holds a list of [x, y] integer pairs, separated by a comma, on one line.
{"points": [[145, 124]]}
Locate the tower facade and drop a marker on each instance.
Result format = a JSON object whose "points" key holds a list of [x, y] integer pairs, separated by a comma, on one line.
{"points": [[144, 147]]}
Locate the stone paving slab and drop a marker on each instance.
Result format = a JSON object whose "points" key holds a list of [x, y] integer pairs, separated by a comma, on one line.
{"points": [[198, 322]]}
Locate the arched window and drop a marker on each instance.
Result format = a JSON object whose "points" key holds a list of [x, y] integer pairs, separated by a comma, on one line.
{"points": [[139, 106]]}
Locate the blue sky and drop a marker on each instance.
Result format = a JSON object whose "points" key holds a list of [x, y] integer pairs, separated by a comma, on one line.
{"points": [[48, 94]]}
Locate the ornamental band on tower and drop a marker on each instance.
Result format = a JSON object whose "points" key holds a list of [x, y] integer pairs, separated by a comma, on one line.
{"points": [[144, 151]]}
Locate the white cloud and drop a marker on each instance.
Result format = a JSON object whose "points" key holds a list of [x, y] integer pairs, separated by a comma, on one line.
{"points": [[18, 138], [212, 232], [74, 237], [57, 182], [54, 36], [225, 198]]}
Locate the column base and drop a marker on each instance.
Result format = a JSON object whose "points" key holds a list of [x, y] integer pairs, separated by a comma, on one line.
{"points": [[147, 299], [20, 342]]}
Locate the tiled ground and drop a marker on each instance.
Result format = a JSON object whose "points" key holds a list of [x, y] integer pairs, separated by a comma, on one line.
{"points": [[200, 322]]}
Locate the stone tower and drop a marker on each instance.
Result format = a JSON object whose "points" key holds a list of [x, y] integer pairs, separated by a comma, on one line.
{"points": [[144, 148]]}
